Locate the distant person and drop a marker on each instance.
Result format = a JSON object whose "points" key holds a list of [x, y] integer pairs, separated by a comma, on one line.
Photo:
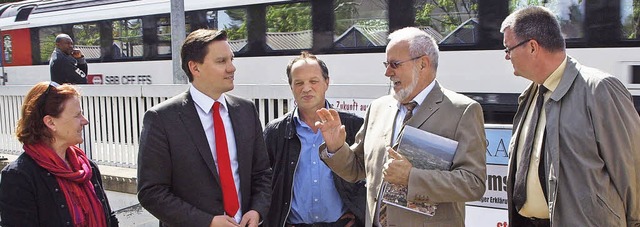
{"points": [[67, 65], [305, 191], [575, 150], [418, 100], [53, 183], [202, 159]]}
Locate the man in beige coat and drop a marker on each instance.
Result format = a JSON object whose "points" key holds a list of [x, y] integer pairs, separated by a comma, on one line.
{"points": [[412, 57], [584, 151]]}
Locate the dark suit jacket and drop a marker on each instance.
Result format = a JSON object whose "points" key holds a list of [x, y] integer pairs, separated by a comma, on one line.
{"points": [[177, 178]]}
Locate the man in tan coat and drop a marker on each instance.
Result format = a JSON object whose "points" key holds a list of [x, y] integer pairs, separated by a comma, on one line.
{"points": [[412, 57], [579, 164]]}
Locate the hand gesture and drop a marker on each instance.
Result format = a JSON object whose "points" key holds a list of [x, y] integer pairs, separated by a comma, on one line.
{"points": [[397, 168], [332, 129], [251, 219], [223, 220]]}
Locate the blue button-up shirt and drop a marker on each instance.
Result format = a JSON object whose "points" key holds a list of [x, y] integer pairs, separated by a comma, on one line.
{"points": [[315, 198]]}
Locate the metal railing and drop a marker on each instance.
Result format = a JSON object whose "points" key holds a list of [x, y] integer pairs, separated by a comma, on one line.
{"points": [[115, 113]]}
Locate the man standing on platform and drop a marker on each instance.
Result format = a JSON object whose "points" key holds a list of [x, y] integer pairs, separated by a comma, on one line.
{"points": [[202, 159], [412, 62], [575, 150], [305, 191], [67, 65]]}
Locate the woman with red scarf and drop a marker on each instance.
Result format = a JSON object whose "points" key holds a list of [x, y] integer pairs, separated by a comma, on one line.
{"points": [[53, 183]]}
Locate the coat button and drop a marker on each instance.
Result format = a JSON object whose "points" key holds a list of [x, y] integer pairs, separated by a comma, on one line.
{"points": [[56, 189], [62, 206], [48, 174], [68, 223]]}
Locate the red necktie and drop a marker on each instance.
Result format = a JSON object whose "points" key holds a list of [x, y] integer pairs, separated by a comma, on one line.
{"points": [[229, 194]]}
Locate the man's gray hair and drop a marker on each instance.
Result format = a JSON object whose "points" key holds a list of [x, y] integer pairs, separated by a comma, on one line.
{"points": [[537, 23], [420, 43]]}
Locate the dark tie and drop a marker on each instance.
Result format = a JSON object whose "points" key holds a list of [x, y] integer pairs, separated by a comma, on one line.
{"points": [[229, 193], [520, 185], [383, 206], [410, 106]]}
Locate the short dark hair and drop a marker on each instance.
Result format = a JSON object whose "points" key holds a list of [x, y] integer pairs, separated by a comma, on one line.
{"points": [[195, 47], [31, 128], [62, 36], [305, 55], [538, 23]]}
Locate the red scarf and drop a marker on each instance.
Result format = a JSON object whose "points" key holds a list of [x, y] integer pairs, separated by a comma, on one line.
{"points": [[74, 180]]}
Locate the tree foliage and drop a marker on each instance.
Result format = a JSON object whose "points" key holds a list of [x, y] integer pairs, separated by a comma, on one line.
{"points": [[569, 13], [289, 17], [445, 15], [631, 24]]}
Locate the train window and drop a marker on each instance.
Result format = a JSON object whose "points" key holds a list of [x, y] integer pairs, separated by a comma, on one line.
{"points": [[24, 13], [289, 26], [234, 21], [361, 25], [86, 37], [127, 38], [635, 74], [47, 38], [570, 13], [164, 33], [449, 22], [630, 13]]}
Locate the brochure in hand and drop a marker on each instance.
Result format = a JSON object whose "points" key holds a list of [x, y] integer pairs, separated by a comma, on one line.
{"points": [[424, 150]]}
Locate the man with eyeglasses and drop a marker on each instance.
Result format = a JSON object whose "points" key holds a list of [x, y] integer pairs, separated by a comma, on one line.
{"points": [[412, 62], [575, 150]]}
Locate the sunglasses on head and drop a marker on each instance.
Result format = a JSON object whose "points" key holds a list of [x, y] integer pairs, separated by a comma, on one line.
{"points": [[43, 97]]}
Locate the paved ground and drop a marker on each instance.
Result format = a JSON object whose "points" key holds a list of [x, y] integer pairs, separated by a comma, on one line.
{"points": [[129, 211]]}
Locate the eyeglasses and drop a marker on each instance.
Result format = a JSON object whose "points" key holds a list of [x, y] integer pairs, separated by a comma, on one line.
{"points": [[508, 50], [396, 64], [43, 97]]}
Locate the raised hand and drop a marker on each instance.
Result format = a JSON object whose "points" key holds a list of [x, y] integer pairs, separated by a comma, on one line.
{"points": [[332, 129]]}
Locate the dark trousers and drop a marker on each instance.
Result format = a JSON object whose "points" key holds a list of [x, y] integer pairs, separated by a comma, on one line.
{"points": [[338, 223], [536, 222]]}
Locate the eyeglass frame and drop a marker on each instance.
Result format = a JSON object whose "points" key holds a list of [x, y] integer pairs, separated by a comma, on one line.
{"points": [[396, 64], [43, 97], [507, 50]]}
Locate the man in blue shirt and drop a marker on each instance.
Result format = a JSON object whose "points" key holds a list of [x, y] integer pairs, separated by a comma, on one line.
{"points": [[305, 191]]}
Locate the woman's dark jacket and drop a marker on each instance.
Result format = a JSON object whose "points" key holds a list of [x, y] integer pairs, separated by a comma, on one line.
{"points": [[284, 147], [30, 196]]}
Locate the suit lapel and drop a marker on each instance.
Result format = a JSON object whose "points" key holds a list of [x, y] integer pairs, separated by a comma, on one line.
{"points": [[428, 107], [191, 120]]}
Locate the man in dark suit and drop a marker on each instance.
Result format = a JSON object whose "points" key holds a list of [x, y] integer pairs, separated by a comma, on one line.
{"points": [[412, 57], [202, 159], [575, 152]]}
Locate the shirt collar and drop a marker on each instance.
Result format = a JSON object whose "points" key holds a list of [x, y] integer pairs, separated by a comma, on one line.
{"points": [[296, 115], [553, 80], [203, 101]]}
